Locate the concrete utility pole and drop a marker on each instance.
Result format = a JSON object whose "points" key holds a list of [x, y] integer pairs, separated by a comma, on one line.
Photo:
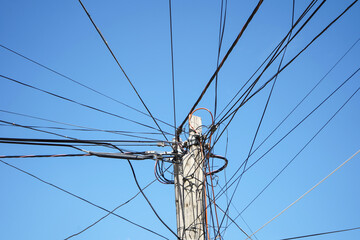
{"points": [[189, 187]]}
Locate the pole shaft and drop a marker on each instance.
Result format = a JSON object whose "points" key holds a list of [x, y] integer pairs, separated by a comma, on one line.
{"points": [[189, 188]]}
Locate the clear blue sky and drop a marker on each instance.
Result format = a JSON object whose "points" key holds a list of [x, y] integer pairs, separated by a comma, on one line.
{"points": [[59, 35]]}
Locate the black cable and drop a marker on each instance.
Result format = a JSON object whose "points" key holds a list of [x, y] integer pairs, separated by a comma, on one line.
{"points": [[263, 113], [306, 95], [73, 101], [81, 198], [108, 214], [308, 8], [97, 141], [79, 83], [303, 99], [298, 124], [323, 233], [272, 78], [276, 52], [301, 150], [34, 129], [67, 124], [157, 215], [172, 63], [123, 133], [227, 185], [222, 63], [223, 11], [41, 156], [128, 79]]}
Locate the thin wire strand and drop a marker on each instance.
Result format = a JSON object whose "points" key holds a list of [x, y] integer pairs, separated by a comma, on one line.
{"points": [[76, 102], [306, 193], [323, 233], [123, 71], [79, 83], [80, 198]]}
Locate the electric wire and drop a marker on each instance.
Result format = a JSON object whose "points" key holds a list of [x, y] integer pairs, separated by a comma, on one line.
{"points": [[68, 124], [80, 198], [79, 83], [123, 71], [149, 203], [76, 102], [323, 233], [223, 11], [34, 129], [222, 62], [264, 111], [273, 55], [287, 64], [172, 64], [109, 213], [272, 78], [41, 156], [287, 134], [229, 185], [297, 154], [307, 192], [307, 95]]}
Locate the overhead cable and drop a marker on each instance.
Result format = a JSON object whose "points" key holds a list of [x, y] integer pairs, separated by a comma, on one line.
{"points": [[307, 192]]}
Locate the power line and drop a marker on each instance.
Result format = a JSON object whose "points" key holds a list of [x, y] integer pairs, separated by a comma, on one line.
{"points": [[68, 124], [222, 62], [303, 99], [80, 198], [301, 150], [223, 12], [78, 103], [172, 63], [123, 71], [227, 185], [49, 155], [275, 52], [272, 78], [307, 192], [77, 82], [323, 233], [108, 214], [264, 111]]}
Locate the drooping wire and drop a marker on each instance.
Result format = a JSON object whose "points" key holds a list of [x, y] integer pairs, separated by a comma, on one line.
{"points": [[149, 203], [79, 83]]}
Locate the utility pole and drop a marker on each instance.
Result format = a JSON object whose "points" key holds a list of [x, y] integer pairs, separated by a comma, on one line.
{"points": [[189, 187]]}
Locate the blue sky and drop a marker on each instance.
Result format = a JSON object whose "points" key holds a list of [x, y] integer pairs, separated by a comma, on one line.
{"points": [[59, 35]]}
